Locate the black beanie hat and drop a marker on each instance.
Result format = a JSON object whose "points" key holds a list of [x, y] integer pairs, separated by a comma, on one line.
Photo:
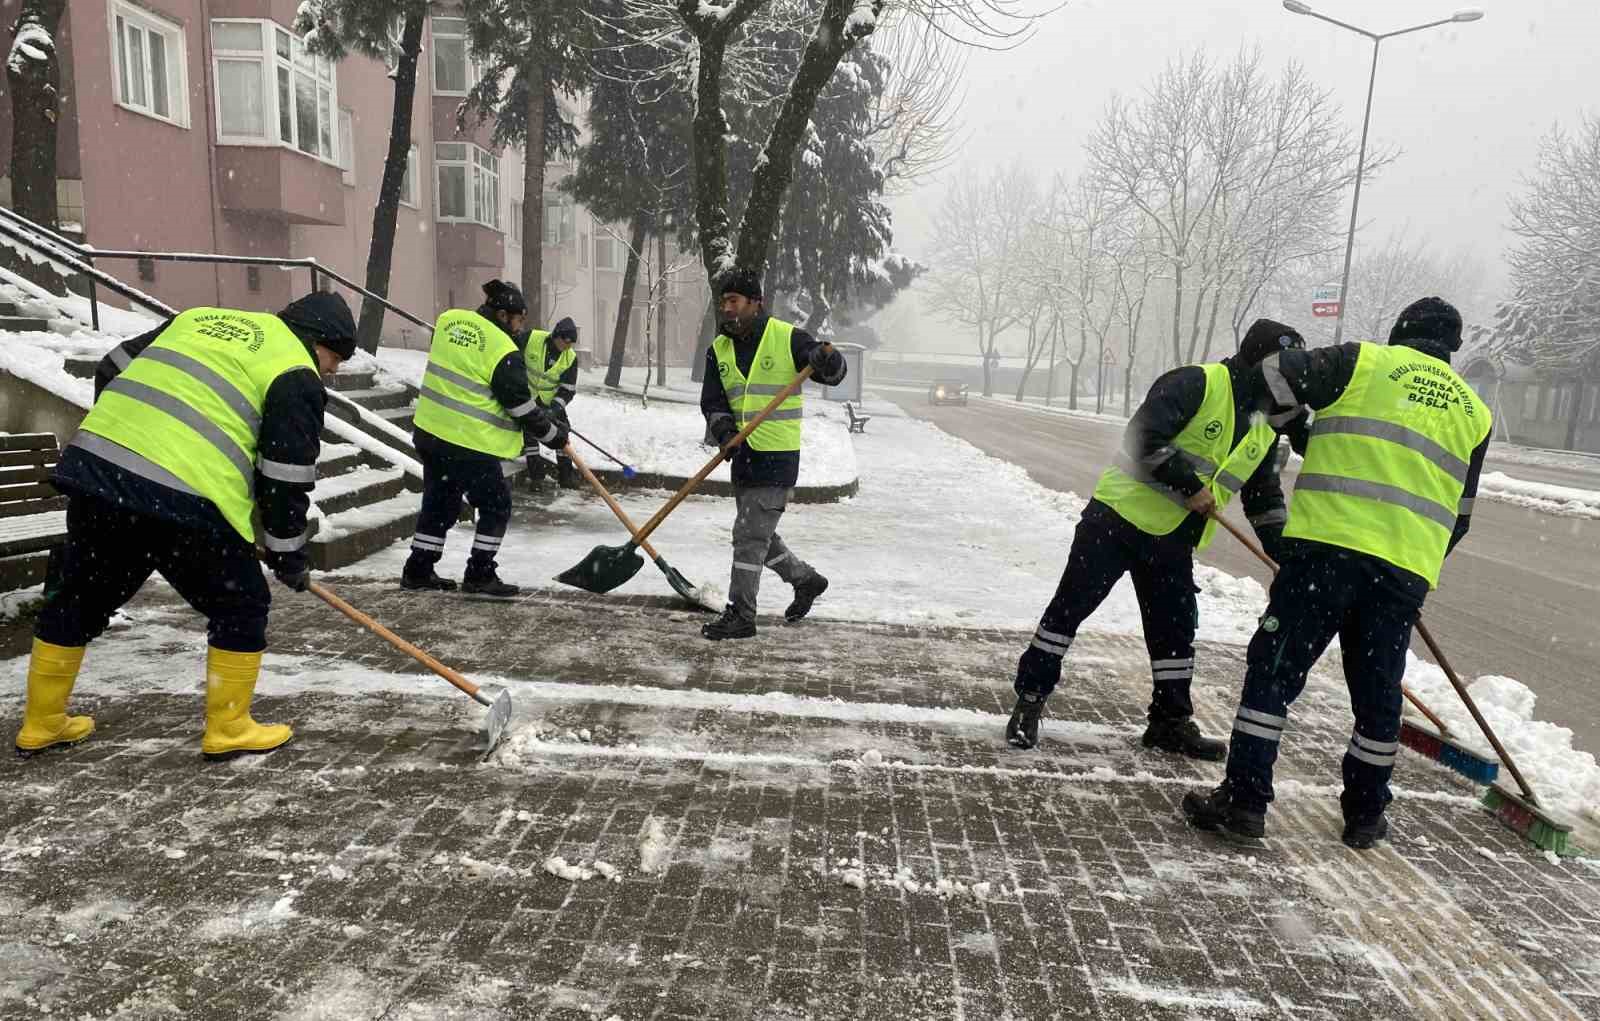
{"points": [[1266, 338], [1428, 319], [503, 297], [323, 318], [566, 328], [746, 282]]}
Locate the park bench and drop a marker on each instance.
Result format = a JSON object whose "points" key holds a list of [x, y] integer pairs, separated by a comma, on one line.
{"points": [[33, 516], [858, 423]]}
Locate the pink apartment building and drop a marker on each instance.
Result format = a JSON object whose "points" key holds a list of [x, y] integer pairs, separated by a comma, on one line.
{"points": [[205, 126]]}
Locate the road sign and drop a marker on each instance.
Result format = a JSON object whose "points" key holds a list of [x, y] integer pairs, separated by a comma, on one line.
{"points": [[1325, 301], [1109, 357]]}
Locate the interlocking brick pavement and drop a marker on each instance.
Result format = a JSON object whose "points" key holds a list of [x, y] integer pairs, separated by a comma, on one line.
{"points": [[378, 867]]}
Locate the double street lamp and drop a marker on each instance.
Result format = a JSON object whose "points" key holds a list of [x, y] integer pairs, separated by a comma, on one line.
{"points": [[1296, 7]]}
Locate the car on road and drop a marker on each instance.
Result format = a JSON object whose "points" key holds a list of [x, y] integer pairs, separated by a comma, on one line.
{"points": [[947, 391]]}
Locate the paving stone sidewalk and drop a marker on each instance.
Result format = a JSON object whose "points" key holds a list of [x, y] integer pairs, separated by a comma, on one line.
{"points": [[821, 823]]}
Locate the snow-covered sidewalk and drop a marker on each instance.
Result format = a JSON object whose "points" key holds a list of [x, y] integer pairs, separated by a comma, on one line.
{"points": [[1564, 501]]}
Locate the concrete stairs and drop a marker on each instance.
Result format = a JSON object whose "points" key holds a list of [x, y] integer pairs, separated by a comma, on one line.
{"points": [[12, 321]]}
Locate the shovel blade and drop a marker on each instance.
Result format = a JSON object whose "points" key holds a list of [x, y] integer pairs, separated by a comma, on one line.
{"points": [[687, 589], [498, 718], [603, 569]]}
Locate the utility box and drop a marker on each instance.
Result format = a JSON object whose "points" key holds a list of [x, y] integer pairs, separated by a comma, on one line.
{"points": [[855, 356]]}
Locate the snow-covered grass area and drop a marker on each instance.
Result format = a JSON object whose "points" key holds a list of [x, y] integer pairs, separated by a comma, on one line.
{"points": [[1561, 500], [665, 437]]}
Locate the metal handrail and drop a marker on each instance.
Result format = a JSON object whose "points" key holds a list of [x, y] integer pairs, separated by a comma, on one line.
{"points": [[88, 254]]}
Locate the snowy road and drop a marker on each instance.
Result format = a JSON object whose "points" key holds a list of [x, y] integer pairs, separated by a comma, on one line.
{"points": [[1518, 598]]}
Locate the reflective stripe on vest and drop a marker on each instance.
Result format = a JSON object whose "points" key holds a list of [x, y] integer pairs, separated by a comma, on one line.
{"points": [[545, 381], [1206, 444], [186, 412], [771, 370], [456, 403], [1387, 462]]}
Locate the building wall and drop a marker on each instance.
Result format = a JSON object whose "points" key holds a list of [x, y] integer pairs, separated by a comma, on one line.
{"points": [[1539, 414]]}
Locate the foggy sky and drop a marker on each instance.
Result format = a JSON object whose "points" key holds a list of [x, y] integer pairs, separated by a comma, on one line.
{"points": [[1467, 104]]}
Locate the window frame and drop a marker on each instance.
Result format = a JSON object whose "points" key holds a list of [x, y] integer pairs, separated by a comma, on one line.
{"points": [[345, 147], [514, 224], [472, 162], [322, 73], [177, 57], [471, 67], [409, 197], [613, 263]]}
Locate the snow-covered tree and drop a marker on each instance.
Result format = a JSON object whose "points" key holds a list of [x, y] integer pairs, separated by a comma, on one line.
{"points": [[527, 52], [33, 75], [391, 32]]}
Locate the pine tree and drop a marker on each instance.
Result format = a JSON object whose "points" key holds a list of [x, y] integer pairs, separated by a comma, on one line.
{"points": [[391, 32]]}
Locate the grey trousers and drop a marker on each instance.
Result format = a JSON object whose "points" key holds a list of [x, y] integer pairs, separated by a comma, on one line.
{"points": [[756, 545]]}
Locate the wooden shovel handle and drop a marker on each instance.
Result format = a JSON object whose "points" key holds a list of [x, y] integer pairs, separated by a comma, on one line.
{"points": [[395, 640], [722, 453], [1261, 554], [611, 501]]}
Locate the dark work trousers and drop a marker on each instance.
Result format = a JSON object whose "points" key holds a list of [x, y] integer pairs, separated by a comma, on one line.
{"points": [[1317, 594], [446, 481], [1163, 579], [109, 555], [757, 545]]}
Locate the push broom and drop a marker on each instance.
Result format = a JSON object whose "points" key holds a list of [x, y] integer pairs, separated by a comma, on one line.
{"points": [[1521, 813]]}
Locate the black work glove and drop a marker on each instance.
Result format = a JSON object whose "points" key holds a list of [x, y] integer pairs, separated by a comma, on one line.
{"points": [[293, 569], [539, 426], [826, 361], [559, 411], [723, 430]]}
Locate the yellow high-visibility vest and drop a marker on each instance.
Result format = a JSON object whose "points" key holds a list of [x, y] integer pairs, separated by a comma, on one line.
{"points": [[771, 370], [456, 403]]}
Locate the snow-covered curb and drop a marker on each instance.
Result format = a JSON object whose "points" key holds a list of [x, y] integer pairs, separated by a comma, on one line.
{"points": [[1540, 496]]}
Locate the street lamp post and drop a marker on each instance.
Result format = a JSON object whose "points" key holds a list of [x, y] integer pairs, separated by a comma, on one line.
{"points": [[1296, 7]]}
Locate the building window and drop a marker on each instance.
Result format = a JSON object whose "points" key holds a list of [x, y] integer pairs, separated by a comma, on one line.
{"points": [[583, 250], [1594, 403], [283, 97], [454, 70], [408, 183], [1563, 403], [147, 270], [469, 183], [149, 64], [514, 228], [347, 145], [609, 254], [560, 220], [252, 279]]}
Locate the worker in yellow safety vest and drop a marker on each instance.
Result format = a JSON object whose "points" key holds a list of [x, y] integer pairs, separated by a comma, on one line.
{"points": [[552, 358], [1392, 459], [475, 411], [198, 427], [1199, 438], [753, 357]]}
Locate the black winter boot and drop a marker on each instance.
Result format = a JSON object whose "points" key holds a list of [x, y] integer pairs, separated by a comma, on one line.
{"points": [[1219, 813], [1022, 730], [480, 583], [425, 580], [805, 593], [729, 625], [1361, 836], [1183, 737]]}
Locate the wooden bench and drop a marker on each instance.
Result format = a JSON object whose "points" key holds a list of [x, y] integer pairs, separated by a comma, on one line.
{"points": [[33, 515], [858, 423]]}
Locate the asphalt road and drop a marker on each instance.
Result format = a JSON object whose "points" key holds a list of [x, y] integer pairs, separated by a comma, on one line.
{"points": [[1519, 597]]}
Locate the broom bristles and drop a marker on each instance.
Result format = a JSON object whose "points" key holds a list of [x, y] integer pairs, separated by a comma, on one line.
{"points": [[1540, 830], [1448, 754]]}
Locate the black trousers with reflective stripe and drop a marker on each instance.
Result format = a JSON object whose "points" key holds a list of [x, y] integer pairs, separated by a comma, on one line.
{"points": [[446, 481], [1322, 591], [1163, 578], [109, 555]]}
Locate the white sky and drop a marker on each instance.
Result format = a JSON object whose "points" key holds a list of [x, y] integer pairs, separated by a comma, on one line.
{"points": [[1466, 103]]}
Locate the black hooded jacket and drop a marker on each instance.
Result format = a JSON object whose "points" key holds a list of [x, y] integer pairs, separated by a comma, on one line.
{"points": [[1317, 379], [1174, 399], [291, 433]]}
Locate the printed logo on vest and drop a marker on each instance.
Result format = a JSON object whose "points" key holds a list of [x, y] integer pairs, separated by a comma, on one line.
{"points": [[766, 362], [722, 368], [231, 328], [1251, 451], [466, 335], [1269, 624], [1213, 429]]}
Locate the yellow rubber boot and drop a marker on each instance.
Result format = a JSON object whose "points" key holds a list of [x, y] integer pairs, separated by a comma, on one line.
{"points": [[52, 670], [230, 684]]}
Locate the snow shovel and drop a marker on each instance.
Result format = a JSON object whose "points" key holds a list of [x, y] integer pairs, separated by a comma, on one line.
{"points": [[492, 696], [606, 567], [679, 583]]}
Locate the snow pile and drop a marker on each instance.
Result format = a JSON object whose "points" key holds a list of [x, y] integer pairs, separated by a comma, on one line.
{"points": [[33, 42], [1540, 496], [654, 847], [1564, 778], [71, 315]]}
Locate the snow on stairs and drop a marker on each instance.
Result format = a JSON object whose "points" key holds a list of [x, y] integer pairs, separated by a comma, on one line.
{"points": [[366, 498], [11, 321]]}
